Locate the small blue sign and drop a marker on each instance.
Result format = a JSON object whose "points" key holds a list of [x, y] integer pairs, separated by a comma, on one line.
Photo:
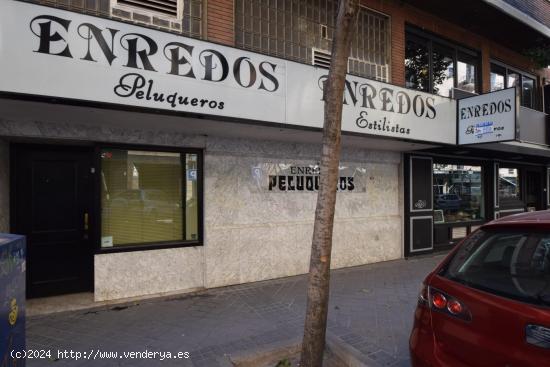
{"points": [[12, 300], [191, 175]]}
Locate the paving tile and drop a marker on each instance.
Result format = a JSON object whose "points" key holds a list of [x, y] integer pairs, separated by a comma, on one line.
{"points": [[371, 308]]}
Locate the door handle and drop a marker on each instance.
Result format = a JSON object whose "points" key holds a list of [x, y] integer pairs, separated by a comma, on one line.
{"points": [[86, 226], [538, 335]]}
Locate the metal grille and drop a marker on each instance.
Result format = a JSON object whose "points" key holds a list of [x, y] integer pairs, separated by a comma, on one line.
{"points": [[293, 29], [191, 22], [192, 17], [168, 7]]}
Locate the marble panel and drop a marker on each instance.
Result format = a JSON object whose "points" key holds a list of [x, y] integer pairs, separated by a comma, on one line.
{"points": [[139, 273]]}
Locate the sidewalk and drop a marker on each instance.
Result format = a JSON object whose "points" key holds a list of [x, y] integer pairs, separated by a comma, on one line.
{"points": [[371, 308]]}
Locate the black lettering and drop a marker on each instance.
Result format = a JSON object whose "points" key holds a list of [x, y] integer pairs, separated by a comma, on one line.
{"points": [[309, 183], [46, 36], [97, 34], [300, 183], [272, 182], [508, 105], [209, 65], [351, 91], [476, 110], [385, 99], [418, 110], [430, 104], [282, 183], [403, 100], [172, 99], [134, 53], [237, 72], [291, 183], [269, 76], [176, 61], [351, 185], [342, 183], [367, 97], [129, 84]]}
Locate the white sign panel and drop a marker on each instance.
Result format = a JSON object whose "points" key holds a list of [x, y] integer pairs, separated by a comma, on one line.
{"points": [[372, 107], [51, 52], [56, 53], [488, 117]]}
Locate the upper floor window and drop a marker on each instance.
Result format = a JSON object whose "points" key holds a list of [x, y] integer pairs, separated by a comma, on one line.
{"points": [[303, 30], [436, 66], [184, 16], [504, 77], [180, 15]]}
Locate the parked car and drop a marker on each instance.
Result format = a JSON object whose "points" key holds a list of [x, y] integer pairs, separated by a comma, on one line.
{"points": [[448, 201], [488, 303]]}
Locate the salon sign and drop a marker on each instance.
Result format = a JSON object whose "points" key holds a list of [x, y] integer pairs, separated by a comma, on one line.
{"points": [[488, 118], [56, 53]]}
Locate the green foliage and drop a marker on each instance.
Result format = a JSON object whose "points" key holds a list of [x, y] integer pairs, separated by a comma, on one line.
{"points": [[284, 363], [540, 55]]}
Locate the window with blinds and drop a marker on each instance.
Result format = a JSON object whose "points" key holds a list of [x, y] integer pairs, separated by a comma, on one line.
{"points": [[299, 30], [148, 197]]}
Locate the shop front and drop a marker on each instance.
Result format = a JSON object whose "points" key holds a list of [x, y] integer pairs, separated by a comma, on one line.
{"points": [[140, 162], [498, 168]]}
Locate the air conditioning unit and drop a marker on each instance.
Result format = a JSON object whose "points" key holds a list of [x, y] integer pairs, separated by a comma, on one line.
{"points": [[167, 7], [321, 58]]}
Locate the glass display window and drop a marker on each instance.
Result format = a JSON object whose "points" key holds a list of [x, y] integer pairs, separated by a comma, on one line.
{"points": [[458, 193]]}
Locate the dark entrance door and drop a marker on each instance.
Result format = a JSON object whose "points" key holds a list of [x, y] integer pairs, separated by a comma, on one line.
{"points": [[53, 201], [534, 189]]}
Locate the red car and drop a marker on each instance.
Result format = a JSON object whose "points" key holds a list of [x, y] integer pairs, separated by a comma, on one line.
{"points": [[488, 303]]}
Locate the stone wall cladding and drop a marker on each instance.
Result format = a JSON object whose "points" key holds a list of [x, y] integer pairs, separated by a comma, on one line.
{"points": [[253, 234], [249, 234]]}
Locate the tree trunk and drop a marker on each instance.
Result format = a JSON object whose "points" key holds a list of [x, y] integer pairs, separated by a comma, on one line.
{"points": [[313, 344]]}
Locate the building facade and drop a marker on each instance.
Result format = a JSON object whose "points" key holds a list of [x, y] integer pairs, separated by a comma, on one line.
{"points": [[158, 147]]}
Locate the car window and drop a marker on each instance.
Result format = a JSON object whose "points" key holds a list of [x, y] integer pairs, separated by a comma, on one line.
{"points": [[510, 263]]}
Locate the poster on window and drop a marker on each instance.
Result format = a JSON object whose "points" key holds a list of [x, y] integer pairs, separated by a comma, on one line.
{"points": [[303, 178]]}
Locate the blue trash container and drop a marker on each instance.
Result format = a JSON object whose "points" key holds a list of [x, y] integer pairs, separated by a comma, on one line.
{"points": [[12, 300]]}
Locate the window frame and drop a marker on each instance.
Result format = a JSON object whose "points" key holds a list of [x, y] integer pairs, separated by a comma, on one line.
{"points": [[458, 50], [511, 203], [500, 66], [293, 41], [151, 245], [484, 190]]}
